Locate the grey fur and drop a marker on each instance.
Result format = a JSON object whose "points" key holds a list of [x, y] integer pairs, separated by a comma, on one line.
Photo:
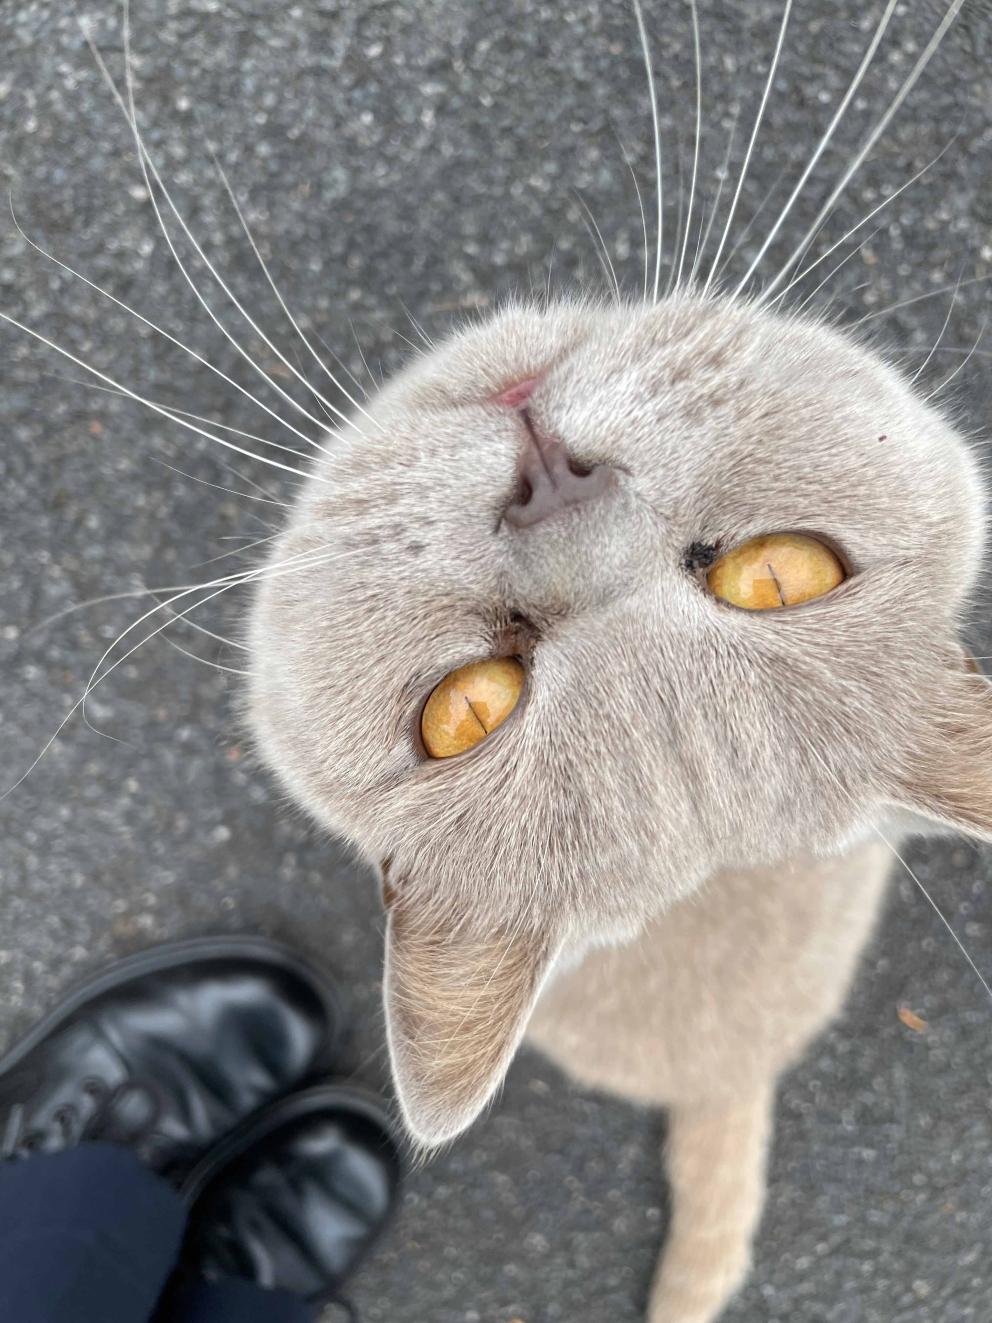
{"points": [[666, 741]]}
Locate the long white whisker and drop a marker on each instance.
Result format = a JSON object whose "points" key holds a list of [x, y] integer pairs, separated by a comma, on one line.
{"points": [[132, 592], [203, 661], [149, 171], [886, 842], [938, 911], [232, 491], [873, 137], [105, 293], [960, 367], [699, 133], [830, 274], [133, 395], [243, 477], [602, 252], [772, 70], [342, 364], [659, 185], [704, 234], [918, 298], [418, 328], [361, 354], [853, 230], [941, 349], [229, 581], [670, 285], [238, 551], [936, 344], [824, 142], [758, 213], [644, 221], [209, 633], [176, 413], [282, 303]]}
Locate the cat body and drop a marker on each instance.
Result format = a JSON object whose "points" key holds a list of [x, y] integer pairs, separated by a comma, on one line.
{"points": [[699, 1014], [667, 859]]}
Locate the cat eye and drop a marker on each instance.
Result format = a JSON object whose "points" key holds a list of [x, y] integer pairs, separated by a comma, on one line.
{"points": [[469, 704], [779, 569]]}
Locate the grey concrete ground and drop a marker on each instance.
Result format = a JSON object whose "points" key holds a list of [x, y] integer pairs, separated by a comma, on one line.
{"points": [[421, 154]]}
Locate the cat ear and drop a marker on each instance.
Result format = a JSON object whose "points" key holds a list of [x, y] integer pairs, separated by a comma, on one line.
{"points": [[950, 777], [457, 1004]]}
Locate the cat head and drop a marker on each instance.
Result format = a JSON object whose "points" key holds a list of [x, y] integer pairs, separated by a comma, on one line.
{"points": [[572, 487]]}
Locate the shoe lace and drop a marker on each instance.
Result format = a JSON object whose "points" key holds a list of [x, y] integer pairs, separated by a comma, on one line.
{"points": [[105, 1115]]}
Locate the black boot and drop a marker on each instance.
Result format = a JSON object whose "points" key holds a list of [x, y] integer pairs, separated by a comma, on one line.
{"points": [[293, 1200], [169, 1050]]}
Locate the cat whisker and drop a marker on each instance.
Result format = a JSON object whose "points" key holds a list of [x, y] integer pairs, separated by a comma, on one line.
{"points": [[693, 4], [758, 213], [644, 222], [704, 234], [361, 354], [429, 344], [128, 593], [551, 267], [105, 293], [209, 633], [942, 349], [343, 365], [824, 142], [602, 252], [938, 911], [936, 345], [292, 320], [659, 183], [830, 274], [919, 298], [811, 748], [157, 408], [243, 477], [100, 601], [238, 551], [670, 285], [172, 409], [203, 661], [150, 172], [772, 70], [853, 230], [231, 491], [907, 86], [97, 676], [960, 367]]}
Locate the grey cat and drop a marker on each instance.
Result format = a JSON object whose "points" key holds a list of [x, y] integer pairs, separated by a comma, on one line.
{"points": [[660, 851]]}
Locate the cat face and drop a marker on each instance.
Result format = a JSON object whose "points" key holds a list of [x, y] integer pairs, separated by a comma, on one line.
{"points": [[661, 733]]}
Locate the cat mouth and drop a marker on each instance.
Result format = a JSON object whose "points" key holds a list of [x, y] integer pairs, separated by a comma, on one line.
{"points": [[549, 479]]}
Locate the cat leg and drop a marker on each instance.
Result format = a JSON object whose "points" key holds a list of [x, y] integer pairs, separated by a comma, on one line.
{"points": [[716, 1157]]}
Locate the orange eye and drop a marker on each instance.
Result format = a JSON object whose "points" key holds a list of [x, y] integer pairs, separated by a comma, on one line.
{"points": [[780, 569], [469, 704]]}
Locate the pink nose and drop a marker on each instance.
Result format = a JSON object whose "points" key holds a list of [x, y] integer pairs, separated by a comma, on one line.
{"points": [[550, 481], [517, 395]]}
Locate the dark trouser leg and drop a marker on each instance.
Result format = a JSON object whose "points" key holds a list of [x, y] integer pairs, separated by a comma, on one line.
{"points": [[235, 1302], [86, 1236]]}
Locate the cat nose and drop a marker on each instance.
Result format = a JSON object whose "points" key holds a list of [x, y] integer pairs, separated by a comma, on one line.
{"points": [[551, 481]]}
